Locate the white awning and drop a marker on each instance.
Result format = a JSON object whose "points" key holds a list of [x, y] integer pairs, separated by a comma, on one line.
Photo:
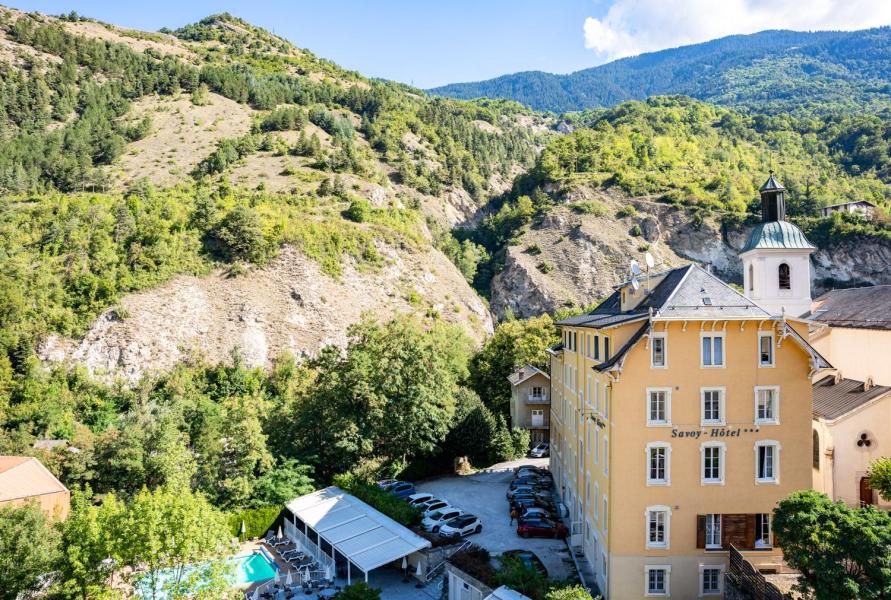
{"points": [[364, 535]]}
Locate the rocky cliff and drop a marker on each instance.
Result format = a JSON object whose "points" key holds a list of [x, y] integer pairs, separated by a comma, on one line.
{"points": [[576, 253], [290, 305]]}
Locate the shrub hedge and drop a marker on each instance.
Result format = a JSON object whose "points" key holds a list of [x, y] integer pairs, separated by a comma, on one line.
{"points": [[257, 521]]}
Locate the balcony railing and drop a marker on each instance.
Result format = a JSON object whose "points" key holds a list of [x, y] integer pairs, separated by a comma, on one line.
{"points": [[530, 423], [537, 399]]}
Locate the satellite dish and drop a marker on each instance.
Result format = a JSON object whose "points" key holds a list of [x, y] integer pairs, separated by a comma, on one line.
{"points": [[635, 284], [650, 261], [635, 268]]}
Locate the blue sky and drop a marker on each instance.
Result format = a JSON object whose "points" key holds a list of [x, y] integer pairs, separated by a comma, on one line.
{"points": [[431, 43]]}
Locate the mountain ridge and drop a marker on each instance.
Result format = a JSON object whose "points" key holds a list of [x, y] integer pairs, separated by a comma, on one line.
{"points": [[715, 71]]}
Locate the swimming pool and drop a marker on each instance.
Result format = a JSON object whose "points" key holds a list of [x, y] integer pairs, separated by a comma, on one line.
{"points": [[240, 570]]}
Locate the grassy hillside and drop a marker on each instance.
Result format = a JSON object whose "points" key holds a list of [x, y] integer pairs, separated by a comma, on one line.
{"points": [[771, 71]]}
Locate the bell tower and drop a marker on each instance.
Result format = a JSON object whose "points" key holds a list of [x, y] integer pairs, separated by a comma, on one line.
{"points": [[776, 257]]}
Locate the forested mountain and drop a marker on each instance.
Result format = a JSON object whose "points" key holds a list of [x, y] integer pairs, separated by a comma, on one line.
{"points": [[769, 72]]}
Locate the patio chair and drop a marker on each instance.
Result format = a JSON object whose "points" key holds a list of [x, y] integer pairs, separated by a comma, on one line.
{"points": [[270, 537]]}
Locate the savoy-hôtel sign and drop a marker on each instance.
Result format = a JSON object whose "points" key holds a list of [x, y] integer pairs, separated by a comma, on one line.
{"points": [[712, 432]]}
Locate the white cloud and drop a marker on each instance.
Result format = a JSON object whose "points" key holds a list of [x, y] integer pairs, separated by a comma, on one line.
{"points": [[631, 27]]}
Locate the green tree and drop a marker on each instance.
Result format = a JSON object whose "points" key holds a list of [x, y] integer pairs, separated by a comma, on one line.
{"points": [[841, 552], [361, 591], [29, 549], [570, 592], [240, 235], [880, 477], [513, 344], [282, 483], [172, 528], [521, 577], [88, 536]]}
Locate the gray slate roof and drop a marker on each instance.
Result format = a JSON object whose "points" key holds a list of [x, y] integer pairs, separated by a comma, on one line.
{"points": [[688, 292], [771, 184], [777, 235], [833, 400], [524, 373], [862, 308]]}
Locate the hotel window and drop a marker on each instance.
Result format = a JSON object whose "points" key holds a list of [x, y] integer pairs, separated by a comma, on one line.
{"points": [[712, 406], [605, 526], [658, 406], [657, 522], [657, 583], [815, 450], [767, 461], [575, 341], [658, 351], [765, 349], [709, 580], [596, 445], [597, 396], [606, 348], [762, 531], [596, 500], [605, 455], [713, 350], [767, 405], [596, 347], [658, 463], [713, 531], [712, 462], [588, 392], [606, 402]]}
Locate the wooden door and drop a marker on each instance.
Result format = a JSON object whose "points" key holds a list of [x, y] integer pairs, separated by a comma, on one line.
{"points": [[866, 496]]}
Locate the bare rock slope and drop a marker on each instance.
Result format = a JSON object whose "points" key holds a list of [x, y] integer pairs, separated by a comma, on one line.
{"points": [[569, 258], [289, 305]]}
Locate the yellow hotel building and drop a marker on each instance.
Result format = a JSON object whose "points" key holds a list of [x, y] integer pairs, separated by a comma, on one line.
{"points": [[681, 415]]}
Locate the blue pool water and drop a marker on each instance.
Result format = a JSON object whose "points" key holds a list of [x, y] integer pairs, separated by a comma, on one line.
{"points": [[241, 570]]}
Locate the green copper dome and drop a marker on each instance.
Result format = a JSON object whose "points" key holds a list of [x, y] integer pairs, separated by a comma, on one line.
{"points": [[777, 234]]}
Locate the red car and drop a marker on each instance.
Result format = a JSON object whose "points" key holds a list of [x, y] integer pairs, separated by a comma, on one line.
{"points": [[541, 528]]}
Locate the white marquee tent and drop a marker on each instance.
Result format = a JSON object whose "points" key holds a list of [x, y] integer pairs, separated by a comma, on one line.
{"points": [[364, 536]]}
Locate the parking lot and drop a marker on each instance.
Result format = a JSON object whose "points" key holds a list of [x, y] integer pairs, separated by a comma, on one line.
{"points": [[483, 494]]}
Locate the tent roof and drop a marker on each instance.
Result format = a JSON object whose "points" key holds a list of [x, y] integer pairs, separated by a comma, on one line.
{"points": [[367, 537], [25, 477]]}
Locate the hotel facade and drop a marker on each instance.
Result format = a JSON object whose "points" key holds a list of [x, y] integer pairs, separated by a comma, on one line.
{"points": [[681, 415]]}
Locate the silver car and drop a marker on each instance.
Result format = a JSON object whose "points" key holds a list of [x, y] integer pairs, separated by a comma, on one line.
{"points": [[434, 520]]}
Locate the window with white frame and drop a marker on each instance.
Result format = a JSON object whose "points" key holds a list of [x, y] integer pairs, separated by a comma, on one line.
{"points": [[765, 349], [712, 406], [767, 405], [709, 580], [657, 580], [657, 523], [762, 531], [658, 351], [713, 350], [713, 531], [658, 406], [588, 391], [596, 445], [658, 463], [588, 345], [596, 501], [767, 461], [712, 462], [606, 402], [605, 455], [605, 515]]}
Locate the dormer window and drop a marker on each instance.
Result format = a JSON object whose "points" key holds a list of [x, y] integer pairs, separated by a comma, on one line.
{"points": [[785, 279]]}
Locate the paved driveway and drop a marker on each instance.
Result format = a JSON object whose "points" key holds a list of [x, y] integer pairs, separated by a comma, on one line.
{"points": [[483, 495]]}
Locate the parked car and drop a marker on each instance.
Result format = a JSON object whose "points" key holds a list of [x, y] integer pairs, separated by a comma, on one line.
{"points": [[537, 512], [431, 508], [434, 520], [541, 450], [402, 489], [527, 489], [461, 526], [541, 528], [387, 483], [528, 558], [533, 472], [419, 498], [540, 482], [527, 502]]}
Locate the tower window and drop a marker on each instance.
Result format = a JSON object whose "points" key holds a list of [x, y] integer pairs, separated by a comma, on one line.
{"points": [[785, 279], [751, 278], [816, 450]]}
